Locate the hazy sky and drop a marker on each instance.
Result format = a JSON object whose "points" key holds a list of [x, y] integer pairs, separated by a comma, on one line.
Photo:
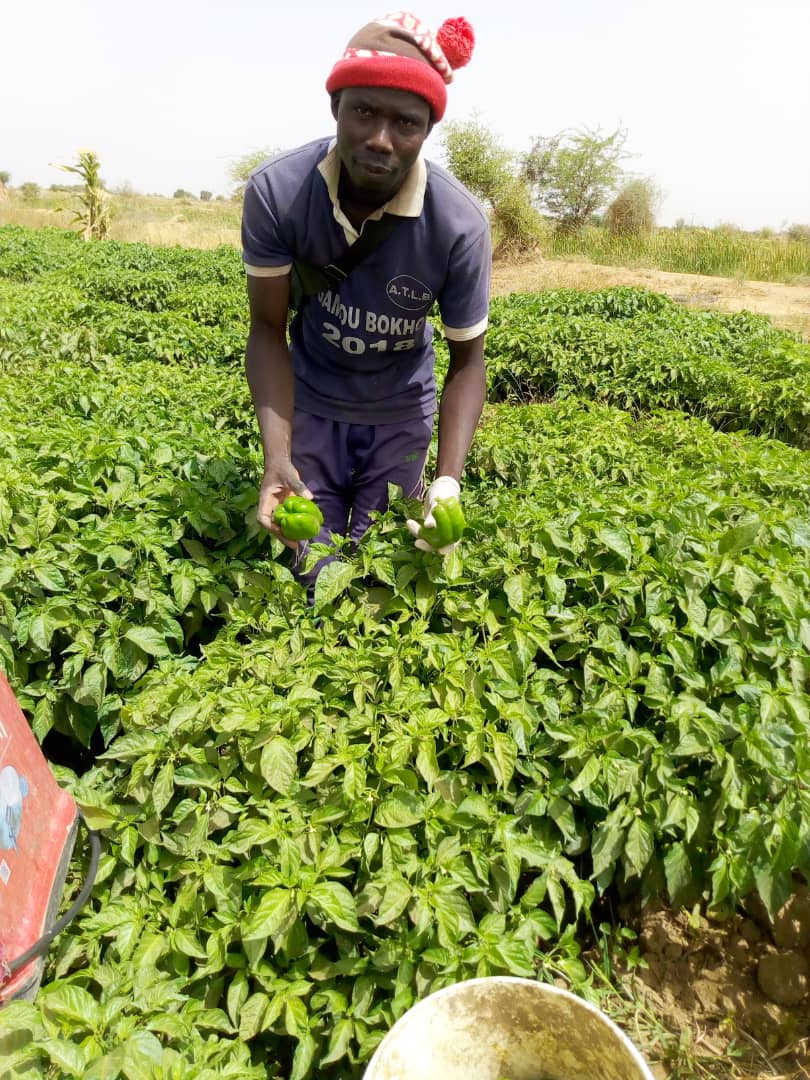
{"points": [[714, 94]]}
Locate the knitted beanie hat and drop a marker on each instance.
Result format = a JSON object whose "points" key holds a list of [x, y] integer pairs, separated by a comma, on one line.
{"points": [[401, 52]]}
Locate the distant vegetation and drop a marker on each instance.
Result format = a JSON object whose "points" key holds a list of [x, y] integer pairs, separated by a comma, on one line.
{"points": [[203, 222], [720, 252], [570, 197]]}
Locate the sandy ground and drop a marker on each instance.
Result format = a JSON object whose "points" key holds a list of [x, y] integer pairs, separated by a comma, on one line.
{"points": [[787, 305]]}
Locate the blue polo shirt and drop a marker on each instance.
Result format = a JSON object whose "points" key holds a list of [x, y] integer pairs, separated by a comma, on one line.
{"points": [[362, 351]]}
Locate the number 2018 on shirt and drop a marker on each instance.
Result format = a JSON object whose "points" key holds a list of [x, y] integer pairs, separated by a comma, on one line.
{"points": [[356, 345]]}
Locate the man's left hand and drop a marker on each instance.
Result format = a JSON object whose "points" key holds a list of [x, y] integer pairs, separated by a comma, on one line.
{"points": [[444, 520]]}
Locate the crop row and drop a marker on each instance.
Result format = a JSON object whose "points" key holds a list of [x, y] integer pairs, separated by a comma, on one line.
{"points": [[311, 819], [641, 351], [311, 823], [626, 347]]}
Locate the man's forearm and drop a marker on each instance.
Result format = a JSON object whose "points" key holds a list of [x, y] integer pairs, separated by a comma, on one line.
{"points": [[270, 378], [459, 412]]}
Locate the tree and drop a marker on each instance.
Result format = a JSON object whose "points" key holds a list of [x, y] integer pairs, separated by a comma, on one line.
{"points": [[800, 233], [573, 174], [181, 193], [477, 158], [4, 177], [240, 170], [632, 212], [206, 196], [29, 191], [94, 212]]}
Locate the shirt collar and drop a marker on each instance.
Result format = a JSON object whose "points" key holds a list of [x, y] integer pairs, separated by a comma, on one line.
{"points": [[407, 202]]}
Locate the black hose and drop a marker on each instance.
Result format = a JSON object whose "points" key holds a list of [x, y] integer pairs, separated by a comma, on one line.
{"points": [[40, 947]]}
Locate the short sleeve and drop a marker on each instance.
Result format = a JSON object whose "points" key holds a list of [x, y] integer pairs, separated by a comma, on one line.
{"points": [[464, 302], [264, 250]]}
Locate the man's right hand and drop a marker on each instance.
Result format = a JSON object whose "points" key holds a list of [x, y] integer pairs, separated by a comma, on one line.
{"points": [[279, 482]]}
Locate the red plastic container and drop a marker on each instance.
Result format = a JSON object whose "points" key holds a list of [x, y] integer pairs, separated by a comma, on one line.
{"points": [[38, 824]]}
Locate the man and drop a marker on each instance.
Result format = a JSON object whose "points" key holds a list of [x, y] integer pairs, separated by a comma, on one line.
{"points": [[348, 407]]}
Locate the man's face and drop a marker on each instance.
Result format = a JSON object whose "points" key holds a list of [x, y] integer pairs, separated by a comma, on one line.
{"points": [[379, 135]]}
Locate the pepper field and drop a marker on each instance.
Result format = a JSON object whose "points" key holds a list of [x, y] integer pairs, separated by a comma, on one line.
{"points": [[451, 767]]}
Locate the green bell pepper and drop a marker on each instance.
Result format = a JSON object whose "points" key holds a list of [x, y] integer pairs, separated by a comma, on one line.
{"points": [[450, 524], [298, 518]]}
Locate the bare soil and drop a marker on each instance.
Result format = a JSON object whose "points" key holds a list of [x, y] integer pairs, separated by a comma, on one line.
{"points": [[734, 993], [787, 305]]}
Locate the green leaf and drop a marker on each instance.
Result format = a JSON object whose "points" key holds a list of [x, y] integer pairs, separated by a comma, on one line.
{"points": [[41, 630], [273, 910], [332, 580], [746, 582], [606, 847], [252, 1016], [119, 556], [337, 903], [587, 774], [639, 845], [193, 775], [142, 1053], [279, 764], [187, 943], [63, 1001], [425, 594], [93, 685], [66, 1055], [304, 1057], [503, 758], [400, 810], [183, 588], [426, 761], [148, 639], [740, 537], [97, 817], [773, 888], [396, 898], [518, 590], [5, 516], [678, 872], [50, 578], [616, 540], [163, 787], [236, 998], [339, 1042]]}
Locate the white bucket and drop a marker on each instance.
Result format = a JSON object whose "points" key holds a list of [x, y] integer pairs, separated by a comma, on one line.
{"points": [[505, 1028]]}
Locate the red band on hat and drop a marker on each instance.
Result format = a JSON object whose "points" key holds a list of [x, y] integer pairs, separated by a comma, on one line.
{"points": [[397, 72]]}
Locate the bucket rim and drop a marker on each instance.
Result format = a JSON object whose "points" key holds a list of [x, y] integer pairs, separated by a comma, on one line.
{"points": [[544, 988]]}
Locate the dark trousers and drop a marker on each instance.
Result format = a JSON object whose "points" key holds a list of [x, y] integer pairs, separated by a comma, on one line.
{"points": [[348, 468]]}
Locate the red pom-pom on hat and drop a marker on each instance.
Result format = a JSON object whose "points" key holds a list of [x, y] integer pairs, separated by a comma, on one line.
{"points": [[456, 39]]}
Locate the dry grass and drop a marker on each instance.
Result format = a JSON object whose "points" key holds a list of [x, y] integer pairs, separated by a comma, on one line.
{"points": [[788, 306], [150, 219], [722, 252], [693, 1051]]}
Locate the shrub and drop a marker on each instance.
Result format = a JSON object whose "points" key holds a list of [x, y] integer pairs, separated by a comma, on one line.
{"points": [[477, 158], [572, 174], [632, 212]]}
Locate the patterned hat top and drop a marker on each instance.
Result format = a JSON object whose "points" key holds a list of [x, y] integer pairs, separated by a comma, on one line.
{"points": [[401, 52]]}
